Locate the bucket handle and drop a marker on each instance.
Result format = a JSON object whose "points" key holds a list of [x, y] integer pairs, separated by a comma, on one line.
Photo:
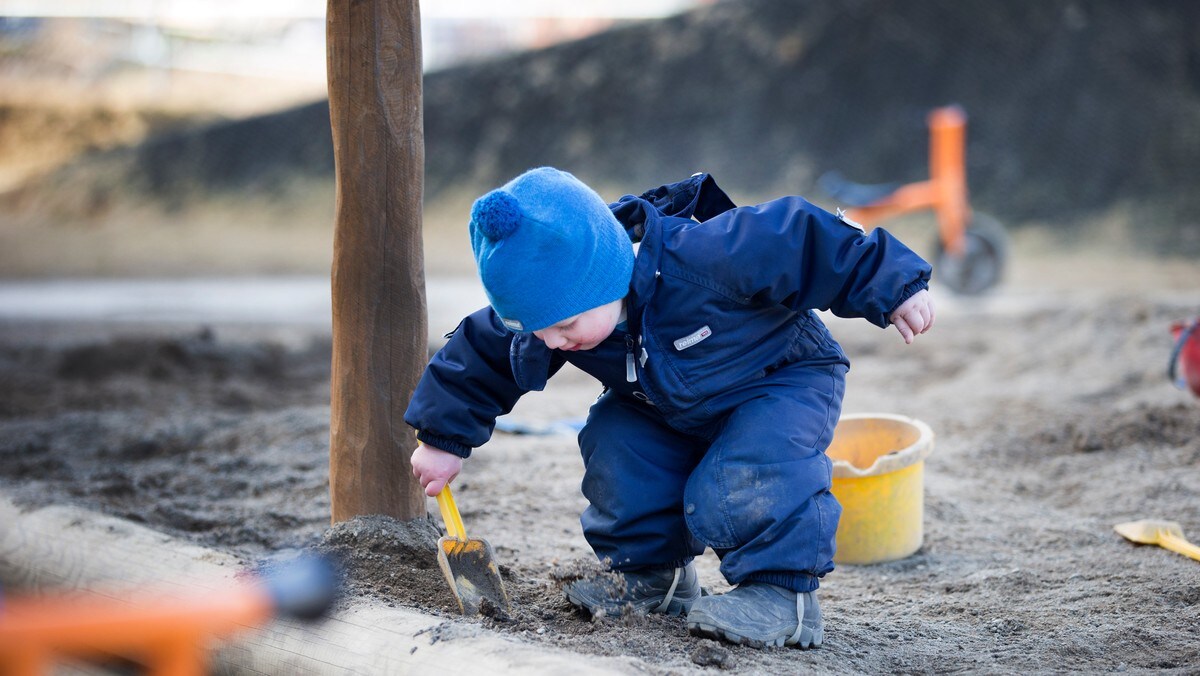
{"points": [[1172, 372]]}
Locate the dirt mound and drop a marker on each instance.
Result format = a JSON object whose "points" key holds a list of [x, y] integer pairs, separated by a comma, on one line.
{"points": [[261, 156], [38, 136], [391, 560], [171, 358], [265, 154], [98, 376]]}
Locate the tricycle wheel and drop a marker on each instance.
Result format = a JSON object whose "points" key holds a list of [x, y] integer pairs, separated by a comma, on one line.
{"points": [[982, 263]]}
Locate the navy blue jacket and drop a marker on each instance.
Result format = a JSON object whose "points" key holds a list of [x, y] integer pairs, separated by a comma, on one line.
{"points": [[720, 297]]}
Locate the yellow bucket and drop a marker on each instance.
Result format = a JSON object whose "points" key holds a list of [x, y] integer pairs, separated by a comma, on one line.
{"points": [[879, 479]]}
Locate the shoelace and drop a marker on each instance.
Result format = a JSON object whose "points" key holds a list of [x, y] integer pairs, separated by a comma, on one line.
{"points": [[799, 619], [662, 608]]}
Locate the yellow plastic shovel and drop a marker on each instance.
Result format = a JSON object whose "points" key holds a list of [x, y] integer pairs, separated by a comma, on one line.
{"points": [[1165, 534], [468, 564]]}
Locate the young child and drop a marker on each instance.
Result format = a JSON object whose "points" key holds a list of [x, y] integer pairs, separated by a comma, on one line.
{"points": [[721, 386]]}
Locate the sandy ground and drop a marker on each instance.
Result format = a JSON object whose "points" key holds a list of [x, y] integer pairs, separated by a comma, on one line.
{"points": [[1053, 416]]}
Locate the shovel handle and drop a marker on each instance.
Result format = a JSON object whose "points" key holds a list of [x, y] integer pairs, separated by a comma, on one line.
{"points": [[1179, 545], [450, 516]]}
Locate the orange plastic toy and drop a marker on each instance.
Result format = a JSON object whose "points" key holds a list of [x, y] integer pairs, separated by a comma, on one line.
{"points": [[170, 640], [166, 637], [971, 246]]}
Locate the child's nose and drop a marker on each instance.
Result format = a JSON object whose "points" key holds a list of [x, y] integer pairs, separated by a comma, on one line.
{"points": [[554, 340]]}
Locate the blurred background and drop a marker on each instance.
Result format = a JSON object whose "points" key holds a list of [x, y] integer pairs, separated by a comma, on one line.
{"points": [[187, 138]]}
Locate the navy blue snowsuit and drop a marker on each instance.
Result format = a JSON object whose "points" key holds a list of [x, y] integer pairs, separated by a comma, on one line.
{"points": [[721, 393]]}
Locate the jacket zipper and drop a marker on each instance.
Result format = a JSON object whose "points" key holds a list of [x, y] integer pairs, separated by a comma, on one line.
{"points": [[630, 367]]}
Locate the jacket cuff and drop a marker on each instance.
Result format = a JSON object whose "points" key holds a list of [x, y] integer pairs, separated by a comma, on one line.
{"points": [[444, 443]]}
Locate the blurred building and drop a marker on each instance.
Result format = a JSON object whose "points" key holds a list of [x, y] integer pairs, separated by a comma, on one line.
{"points": [[283, 39]]}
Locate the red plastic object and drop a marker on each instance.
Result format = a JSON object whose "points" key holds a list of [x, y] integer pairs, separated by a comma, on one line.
{"points": [[1184, 369]]}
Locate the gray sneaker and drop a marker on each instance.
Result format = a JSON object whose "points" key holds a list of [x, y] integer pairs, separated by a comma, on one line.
{"points": [[657, 590], [759, 615]]}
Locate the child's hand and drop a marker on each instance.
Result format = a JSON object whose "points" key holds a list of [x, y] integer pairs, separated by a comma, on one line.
{"points": [[914, 316], [434, 468]]}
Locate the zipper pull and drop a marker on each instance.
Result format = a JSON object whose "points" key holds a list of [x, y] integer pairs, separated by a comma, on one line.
{"points": [[630, 369]]}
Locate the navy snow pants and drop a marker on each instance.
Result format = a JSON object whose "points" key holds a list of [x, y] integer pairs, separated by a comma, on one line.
{"points": [[755, 489]]}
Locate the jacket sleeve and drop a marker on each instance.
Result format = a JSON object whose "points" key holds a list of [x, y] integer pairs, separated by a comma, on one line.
{"points": [[466, 386], [793, 253]]}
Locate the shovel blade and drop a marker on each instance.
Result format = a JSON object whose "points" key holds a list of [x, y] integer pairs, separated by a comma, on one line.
{"points": [[470, 568], [1148, 531]]}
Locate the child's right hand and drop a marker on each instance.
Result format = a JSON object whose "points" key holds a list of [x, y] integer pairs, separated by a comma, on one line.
{"points": [[434, 468]]}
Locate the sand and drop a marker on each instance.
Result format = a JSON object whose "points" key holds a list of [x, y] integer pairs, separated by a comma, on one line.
{"points": [[1053, 420]]}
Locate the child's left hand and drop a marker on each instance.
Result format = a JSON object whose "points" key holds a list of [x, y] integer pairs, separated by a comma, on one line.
{"points": [[914, 316]]}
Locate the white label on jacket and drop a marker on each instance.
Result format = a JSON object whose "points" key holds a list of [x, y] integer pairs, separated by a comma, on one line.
{"points": [[841, 214], [690, 340]]}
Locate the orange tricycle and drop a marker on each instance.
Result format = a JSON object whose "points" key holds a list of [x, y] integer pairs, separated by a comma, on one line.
{"points": [[971, 246]]}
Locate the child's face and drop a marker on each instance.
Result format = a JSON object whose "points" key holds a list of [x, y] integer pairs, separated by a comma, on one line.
{"points": [[584, 331]]}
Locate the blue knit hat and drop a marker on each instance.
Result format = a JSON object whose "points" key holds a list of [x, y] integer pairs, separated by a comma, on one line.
{"points": [[548, 248]]}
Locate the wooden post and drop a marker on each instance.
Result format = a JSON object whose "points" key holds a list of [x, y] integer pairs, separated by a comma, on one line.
{"points": [[380, 340]]}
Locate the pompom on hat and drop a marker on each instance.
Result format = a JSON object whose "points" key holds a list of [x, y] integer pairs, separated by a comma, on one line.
{"points": [[548, 248]]}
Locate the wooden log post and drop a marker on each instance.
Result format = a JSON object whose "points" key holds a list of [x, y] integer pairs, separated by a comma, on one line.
{"points": [[380, 340]]}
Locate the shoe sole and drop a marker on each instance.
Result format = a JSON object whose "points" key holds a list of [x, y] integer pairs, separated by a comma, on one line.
{"points": [[677, 607], [808, 640]]}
